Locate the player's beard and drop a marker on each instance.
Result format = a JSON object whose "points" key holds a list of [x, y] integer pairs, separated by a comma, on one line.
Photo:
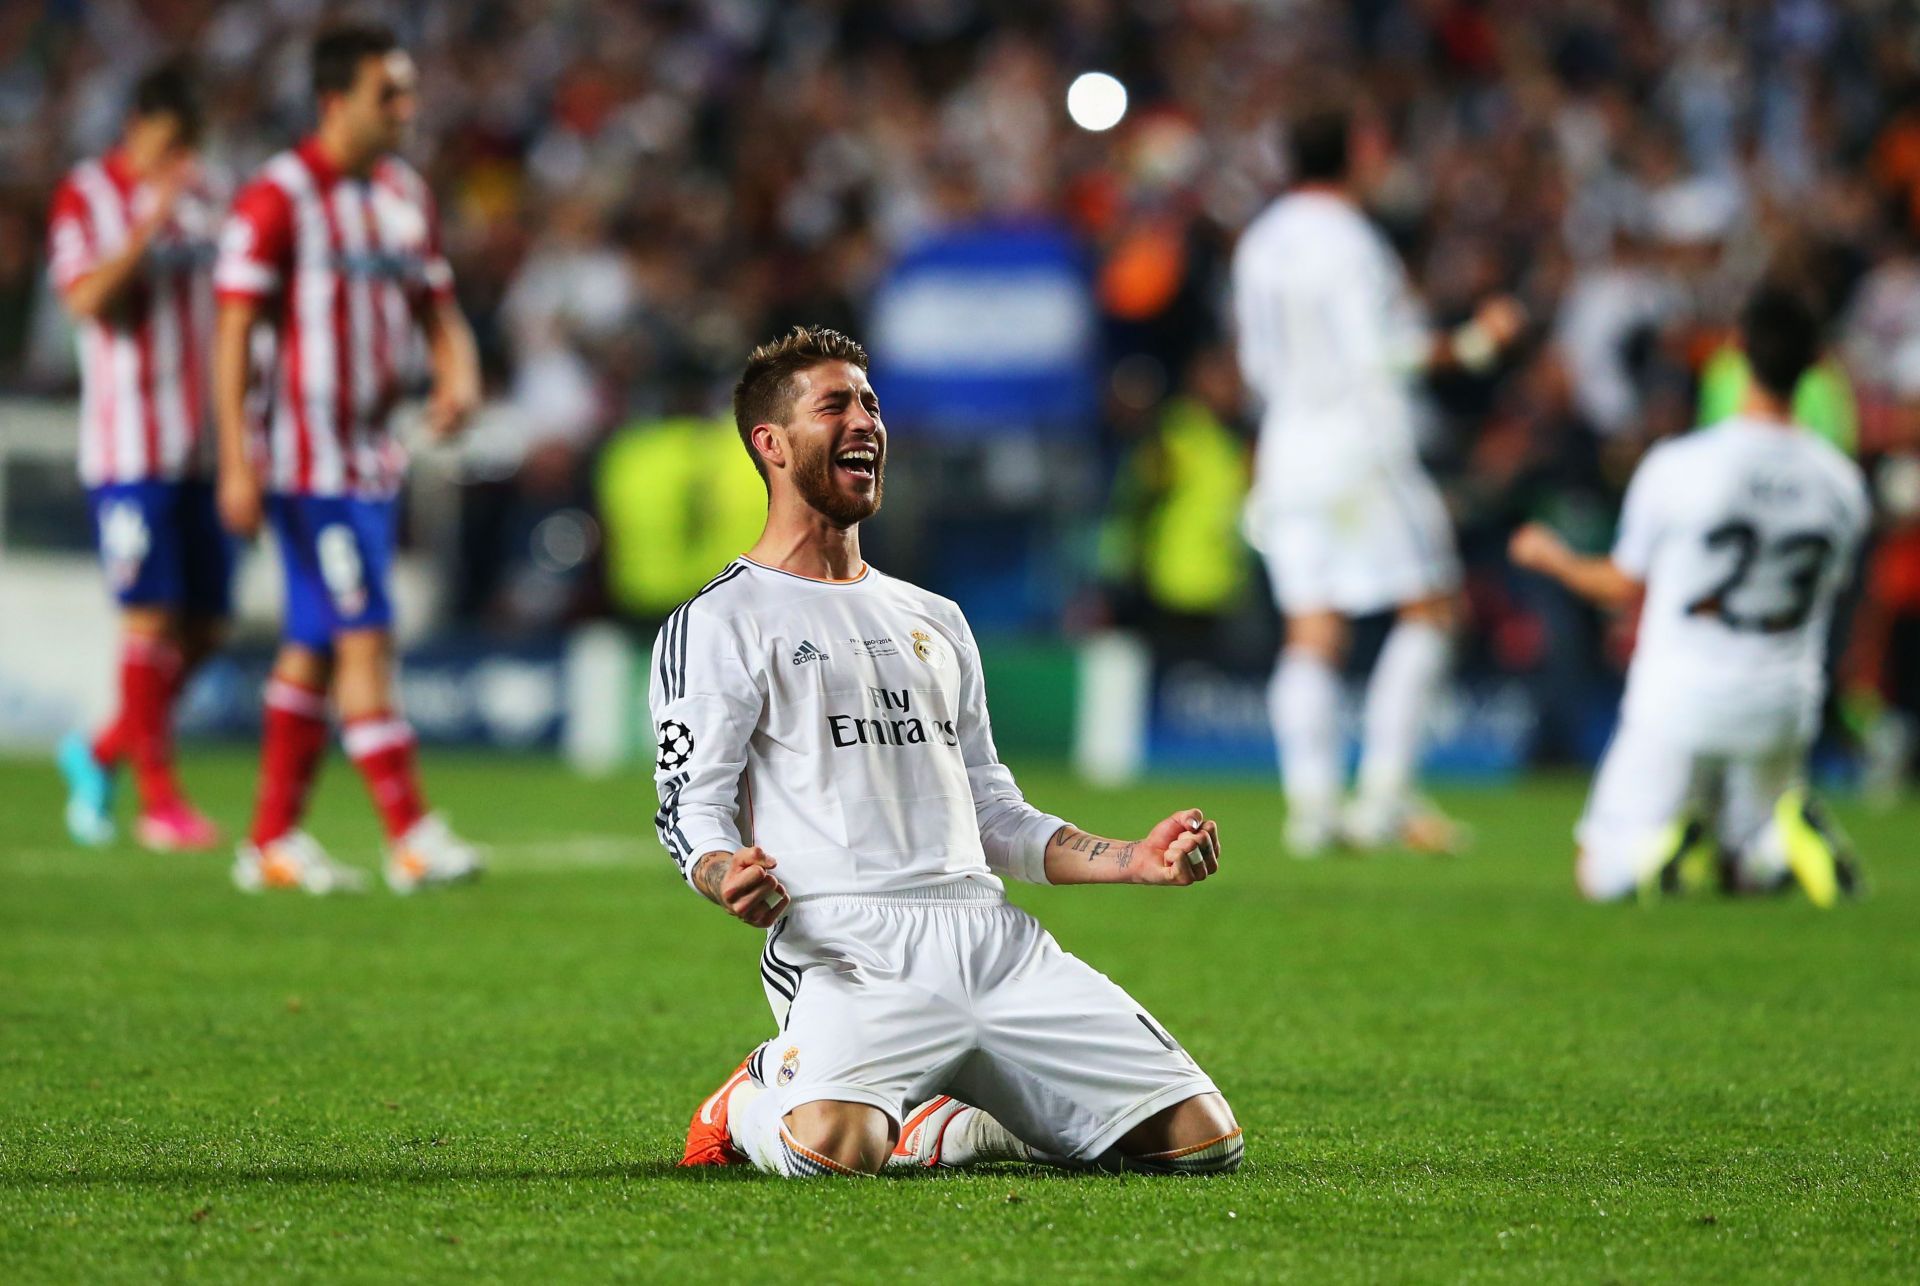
{"points": [[813, 477]]}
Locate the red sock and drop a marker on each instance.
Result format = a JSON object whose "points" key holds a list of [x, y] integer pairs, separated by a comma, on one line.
{"points": [[291, 744], [143, 663], [382, 748], [143, 729], [110, 746]]}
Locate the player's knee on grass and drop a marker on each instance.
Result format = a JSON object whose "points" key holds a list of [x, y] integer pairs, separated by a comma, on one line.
{"points": [[827, 1137], [1194, 1136], [1600, 876], [1604, 874]]}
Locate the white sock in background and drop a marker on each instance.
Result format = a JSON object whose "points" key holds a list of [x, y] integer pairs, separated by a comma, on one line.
{"points": [[1304, 702], [1399, 694]]}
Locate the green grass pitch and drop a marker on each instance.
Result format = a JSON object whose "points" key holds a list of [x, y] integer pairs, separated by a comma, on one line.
{"points": [[1446, 1070]]}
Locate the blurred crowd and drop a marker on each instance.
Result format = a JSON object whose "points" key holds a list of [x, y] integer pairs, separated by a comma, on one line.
{"points": [[635, 192]]}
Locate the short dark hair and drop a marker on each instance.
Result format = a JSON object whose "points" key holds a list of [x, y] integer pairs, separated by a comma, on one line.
{"points": [[765, 392], [171, 89], [1317, 145], [339, 51], [1780, 331]]}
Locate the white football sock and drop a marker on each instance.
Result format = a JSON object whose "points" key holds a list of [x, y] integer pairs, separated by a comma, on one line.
{"points": [[975, 1137], [1304, 703], [1399, 694]]}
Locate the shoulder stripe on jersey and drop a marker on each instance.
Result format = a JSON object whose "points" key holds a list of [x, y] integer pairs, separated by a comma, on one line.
{"points": [[674, 639], [666, 822], [671, 667]]}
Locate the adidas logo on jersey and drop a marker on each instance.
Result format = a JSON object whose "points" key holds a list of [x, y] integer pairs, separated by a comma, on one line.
{"points": [[807, 652]]}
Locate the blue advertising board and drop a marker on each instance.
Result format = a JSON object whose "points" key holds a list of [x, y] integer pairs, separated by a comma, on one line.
{"points": [[988, 329]]}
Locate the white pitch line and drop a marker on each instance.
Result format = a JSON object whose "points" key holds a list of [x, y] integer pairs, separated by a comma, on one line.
{"points": [[572, 852]]}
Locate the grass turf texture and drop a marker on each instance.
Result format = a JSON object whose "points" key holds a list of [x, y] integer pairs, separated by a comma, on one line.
{"points": [[1446, 1070]]}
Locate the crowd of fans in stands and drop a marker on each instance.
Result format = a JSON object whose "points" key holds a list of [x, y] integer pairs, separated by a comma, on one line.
{"points": [[633, 194]]}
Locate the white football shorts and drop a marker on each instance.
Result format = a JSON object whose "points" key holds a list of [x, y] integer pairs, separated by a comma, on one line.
{"points": [[891, 1000], [1375, 545], [1649, 780]]}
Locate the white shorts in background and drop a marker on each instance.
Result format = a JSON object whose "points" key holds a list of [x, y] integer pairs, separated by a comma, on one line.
{"points": [[891, 1000], [1372, 547], [1650, 780]]}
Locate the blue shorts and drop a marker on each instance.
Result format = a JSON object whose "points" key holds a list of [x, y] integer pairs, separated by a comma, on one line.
{"points": [[162, 545], [338, 556]]}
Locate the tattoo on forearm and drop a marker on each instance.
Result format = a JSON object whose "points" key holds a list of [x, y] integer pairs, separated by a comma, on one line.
{"points": [[1078, 841], [709, 876]]}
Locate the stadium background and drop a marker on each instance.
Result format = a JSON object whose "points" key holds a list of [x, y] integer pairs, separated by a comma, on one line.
{"points": [[1447, 1070], [634, 194]]}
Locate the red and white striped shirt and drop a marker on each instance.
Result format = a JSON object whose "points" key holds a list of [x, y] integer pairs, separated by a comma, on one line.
{"points": [[144, 411], [344, 266]]}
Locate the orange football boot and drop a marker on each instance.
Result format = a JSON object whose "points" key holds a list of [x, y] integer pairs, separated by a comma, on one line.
{"points": [[708, 1140]]}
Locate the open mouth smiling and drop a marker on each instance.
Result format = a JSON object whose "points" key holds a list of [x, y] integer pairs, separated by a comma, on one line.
{"points": [[862, 462]]}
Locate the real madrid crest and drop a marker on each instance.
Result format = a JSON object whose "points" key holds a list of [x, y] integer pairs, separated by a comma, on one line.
{"points": [[789, 1064], [923, 646]]}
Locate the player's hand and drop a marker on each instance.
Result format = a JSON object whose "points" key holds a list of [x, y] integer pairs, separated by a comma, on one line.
{"points": [[173, 177], [240, 502], [1502, 318], [744, 884], [1182, 850], [1537, 548], [448, 411]]}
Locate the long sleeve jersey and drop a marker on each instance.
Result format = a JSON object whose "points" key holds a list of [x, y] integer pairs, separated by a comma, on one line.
{"points": [[841, 726]]}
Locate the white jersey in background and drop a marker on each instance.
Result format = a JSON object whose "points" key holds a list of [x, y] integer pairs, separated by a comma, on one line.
{"points": [[1330, 334], [1744, 535], [841, 726], [1330, 338]]}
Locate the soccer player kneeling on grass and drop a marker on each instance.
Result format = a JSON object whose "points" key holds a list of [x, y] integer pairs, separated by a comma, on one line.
{"points": [[1740, 538], [827, 771]]}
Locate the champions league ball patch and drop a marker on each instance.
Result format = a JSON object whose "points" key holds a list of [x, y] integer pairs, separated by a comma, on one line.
{"points": [[789, 1064], [676, 744]]}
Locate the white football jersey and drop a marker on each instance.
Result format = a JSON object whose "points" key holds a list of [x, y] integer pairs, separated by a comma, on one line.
{"points": [[1744, 535], [840, 725], [1329, 335]]}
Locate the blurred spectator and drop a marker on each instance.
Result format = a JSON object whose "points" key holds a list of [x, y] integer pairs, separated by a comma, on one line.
{"points": [[679, 499], [1170, 549]]}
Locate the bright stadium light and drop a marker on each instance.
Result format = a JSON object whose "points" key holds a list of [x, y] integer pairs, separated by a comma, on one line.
{"points": [[1096, 101]]}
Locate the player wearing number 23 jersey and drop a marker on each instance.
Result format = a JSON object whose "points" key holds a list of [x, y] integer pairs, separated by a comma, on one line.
{"points": [[1743, 536]]}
